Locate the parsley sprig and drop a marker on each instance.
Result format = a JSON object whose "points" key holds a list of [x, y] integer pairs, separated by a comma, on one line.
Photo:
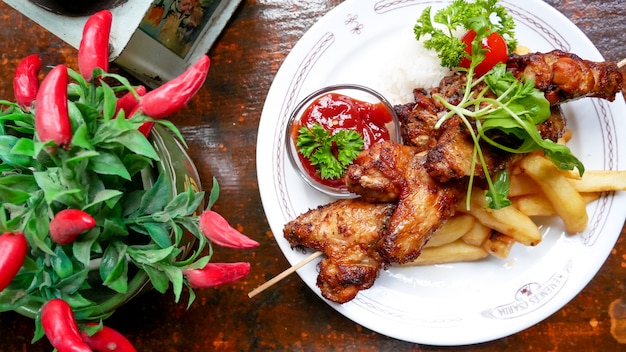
{"points": [[483, 16], [330, 153]]}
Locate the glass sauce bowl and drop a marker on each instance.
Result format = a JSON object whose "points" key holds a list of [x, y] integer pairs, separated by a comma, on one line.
{"points": [[346, 106]]}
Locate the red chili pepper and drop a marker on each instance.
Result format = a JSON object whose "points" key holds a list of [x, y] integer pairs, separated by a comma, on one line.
{"points": [[26, 81], [128, 101], [13, 249], [107, 340], [218, 230], [93, 51], [60, 327], [215, 274], [175, 94], [68, 224], [52, 121]]}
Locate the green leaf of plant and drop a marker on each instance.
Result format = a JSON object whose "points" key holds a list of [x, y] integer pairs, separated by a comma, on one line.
{"points": [[138, 143], [73, 282], [24, 146], [36, 228], [82, 156], [135, 163], [114, 266], [61, 263], [155, 198], [81, 249], [113, 228], [76, 300], [159, 279], [109, 164], [108, 108], [120, 284], [13, 196], [8, 156], [75, 115], [175, 275], [108, 196], [54, 190], [149, 256], [81, 138], [214, 195], [159, 233]]}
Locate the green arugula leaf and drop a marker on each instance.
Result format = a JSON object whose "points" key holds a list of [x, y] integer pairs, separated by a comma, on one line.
{"points": [[497, 195]]}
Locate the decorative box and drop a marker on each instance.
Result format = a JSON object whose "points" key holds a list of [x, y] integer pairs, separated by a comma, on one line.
{"points": [[154, 40]]}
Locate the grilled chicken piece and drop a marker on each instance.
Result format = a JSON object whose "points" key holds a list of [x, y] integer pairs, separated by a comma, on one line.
{"points": [[565, 76], [347, 231], [390, 171], [562, 76], [451, 157], [418, 118]]}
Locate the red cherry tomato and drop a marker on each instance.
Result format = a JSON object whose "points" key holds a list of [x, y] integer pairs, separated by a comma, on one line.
{"points": [[497, 51]]}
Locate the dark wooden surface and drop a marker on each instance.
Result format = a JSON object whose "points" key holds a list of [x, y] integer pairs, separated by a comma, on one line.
{"points": [[220, 126]]}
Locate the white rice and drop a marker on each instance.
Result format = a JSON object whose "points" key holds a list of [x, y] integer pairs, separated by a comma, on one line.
{"points": [[408, 65]]}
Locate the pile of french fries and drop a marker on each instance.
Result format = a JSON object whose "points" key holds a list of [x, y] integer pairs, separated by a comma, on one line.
{"points": [[537, 188]]}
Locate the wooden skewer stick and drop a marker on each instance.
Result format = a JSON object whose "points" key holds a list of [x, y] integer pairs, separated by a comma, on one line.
{"points": [[621, 63], [284, 274]]}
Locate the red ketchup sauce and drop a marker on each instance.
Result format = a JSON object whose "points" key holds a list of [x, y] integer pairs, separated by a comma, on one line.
{"points": [[336, 111]]}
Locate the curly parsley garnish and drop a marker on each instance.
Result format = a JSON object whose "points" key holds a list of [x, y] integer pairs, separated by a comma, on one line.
{"points": [[330, 153], [482, 16]]}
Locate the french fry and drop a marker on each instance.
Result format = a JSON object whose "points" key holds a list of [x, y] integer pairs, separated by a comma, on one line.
{"points": [[508, 220], [590, 197], [534, 205], [499, 245], [451, 230], [457, 251], [477, 234], [567, 202], [521, 184], [600, 181]]}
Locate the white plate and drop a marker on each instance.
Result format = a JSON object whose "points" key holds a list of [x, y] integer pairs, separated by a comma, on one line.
{"points": [[446, 304]]}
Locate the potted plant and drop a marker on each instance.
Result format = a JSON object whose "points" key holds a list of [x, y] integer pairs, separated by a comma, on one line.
{"points": [[98, 199]]}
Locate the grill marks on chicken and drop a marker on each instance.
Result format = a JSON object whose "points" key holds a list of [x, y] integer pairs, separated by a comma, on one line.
{"points": [[409, 191], [565, 76], [348, 232]]}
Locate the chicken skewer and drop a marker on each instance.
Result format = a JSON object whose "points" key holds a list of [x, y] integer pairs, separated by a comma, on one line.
{"points": [[352, 262]]}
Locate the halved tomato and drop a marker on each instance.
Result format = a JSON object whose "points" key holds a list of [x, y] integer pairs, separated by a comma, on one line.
{"points": [[497, 51]]}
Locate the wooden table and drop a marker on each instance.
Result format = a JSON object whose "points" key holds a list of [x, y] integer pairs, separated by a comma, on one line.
{"points": [[220, 126]]}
